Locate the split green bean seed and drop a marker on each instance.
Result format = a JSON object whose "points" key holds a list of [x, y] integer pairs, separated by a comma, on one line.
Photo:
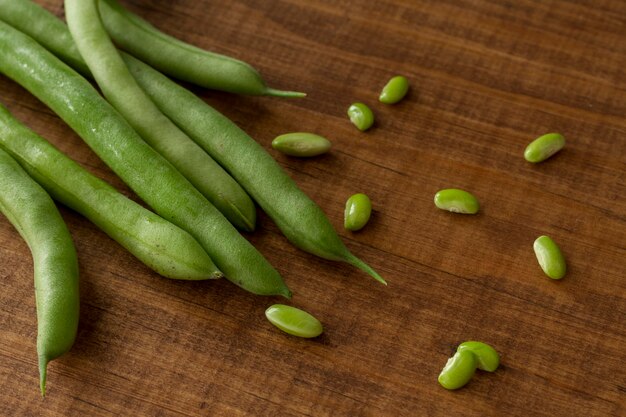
{"points": [[162, 246], [361, 116], [456, 201], [550, 257], [134, 161], [34, 215], [182, 60], [487, 358], [301, 144], [296, 215], [544, 147], [458, 370], [395, 90], [357, 213], [294, 321]]}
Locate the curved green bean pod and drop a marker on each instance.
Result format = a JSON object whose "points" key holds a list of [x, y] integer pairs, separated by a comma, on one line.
{"points": [[121, 90], [182, 60], [155, 128], [301, 220], [145, 171], [298, 217], [34, 215], [162, 246]]}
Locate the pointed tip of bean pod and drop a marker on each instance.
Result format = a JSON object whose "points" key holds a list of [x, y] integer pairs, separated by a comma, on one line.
{"points": [[286, 292], [244, 221], [353, 260], [43, 366], [285, 94]]}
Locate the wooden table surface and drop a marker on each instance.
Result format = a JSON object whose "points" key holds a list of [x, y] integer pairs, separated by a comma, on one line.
{"points": [[487, 77]]}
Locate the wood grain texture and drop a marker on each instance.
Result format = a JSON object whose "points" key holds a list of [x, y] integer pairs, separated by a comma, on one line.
{"points": [[486, 78]]}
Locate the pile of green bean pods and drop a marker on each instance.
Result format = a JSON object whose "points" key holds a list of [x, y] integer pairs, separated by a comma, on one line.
{"points": [[148, 127]]}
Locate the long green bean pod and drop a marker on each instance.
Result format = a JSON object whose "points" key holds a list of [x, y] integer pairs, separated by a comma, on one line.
{"points": [[298, 217], [154, 180], [162, 246], [36, 218], [155, 128], [182, 60]]}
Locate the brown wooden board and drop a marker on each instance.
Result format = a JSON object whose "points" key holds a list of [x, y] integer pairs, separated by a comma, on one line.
{"points": [[486, 77]]}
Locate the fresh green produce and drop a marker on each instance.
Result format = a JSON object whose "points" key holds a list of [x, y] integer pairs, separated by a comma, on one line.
{"points": [[544, 147], [550, 258], [487, 358], [182, 60], [395, 90], [458, 370], [357, 213], [121, 90], [297, 216], [36, 218], [143, 169], [165, 248], [294, 321], [301, 144], [361, 116], [456, 201]]}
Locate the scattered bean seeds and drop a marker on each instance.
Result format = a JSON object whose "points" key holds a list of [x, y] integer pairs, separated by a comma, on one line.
{"points": [[549, 257], [301, 144], [294, 321], [361, 116], [395, 90], [544, 147], [456, 201]]}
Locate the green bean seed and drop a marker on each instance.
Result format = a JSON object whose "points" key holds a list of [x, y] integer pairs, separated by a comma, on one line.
{"points": [[301, 144], [294, 321], [458, 370], [456, 201], [34, 215], [162, 246], [358, 212], [549, 257], [182, 60], [395, 90], [361, 116], [152, 178], [296, 215], [544, 147], [487, 358]]}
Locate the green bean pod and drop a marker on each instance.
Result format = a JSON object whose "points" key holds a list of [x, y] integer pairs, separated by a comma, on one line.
{"points": [[301, 220], [297, 216], [154, 180], [182, 60], [162, 246], [34, 215], [121, 90]]}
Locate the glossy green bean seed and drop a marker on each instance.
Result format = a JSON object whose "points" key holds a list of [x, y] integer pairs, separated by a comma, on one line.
{"points": [[361, 116], [162, 246], [550, 258], [294, 321], [357, 213], [34, 215], [121, 90], [182, 60], [487, 358], [301, 144], [458, 370], [152, 178], [296, 215], [456, 201], [395, 90], [544, 147]]}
